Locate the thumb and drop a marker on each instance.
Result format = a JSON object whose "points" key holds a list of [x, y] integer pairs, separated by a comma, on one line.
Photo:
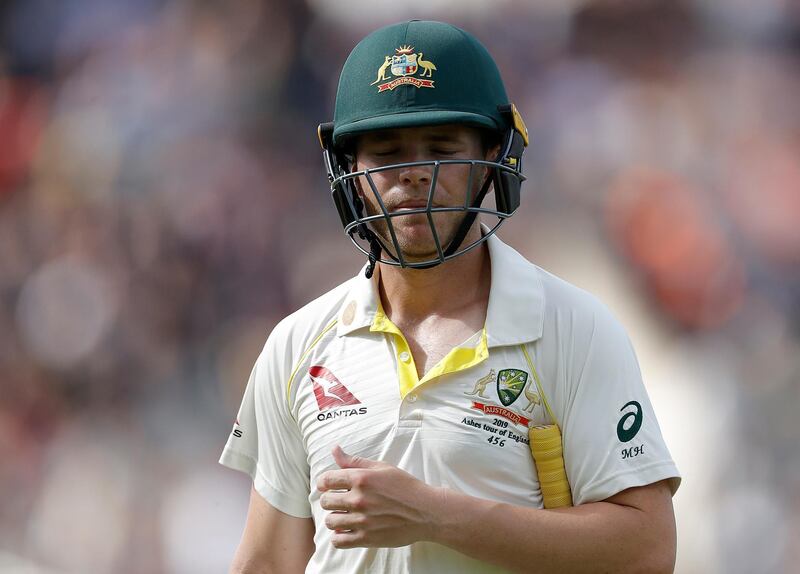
{"points": [[345, 460]]}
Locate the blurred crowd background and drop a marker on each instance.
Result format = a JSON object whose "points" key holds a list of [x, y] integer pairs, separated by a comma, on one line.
{"points": [[163, 204]]}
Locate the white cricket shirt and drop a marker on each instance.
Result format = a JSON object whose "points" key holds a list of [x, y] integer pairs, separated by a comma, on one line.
{"points": [[339, 372]]}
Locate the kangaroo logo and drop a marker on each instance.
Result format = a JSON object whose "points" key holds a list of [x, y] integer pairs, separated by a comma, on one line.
{"points": [[481, 384], [328, 390], [405, 65], [382, 70]]}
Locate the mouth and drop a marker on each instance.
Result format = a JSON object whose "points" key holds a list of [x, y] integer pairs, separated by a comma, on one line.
{"points": [[411, 204]]}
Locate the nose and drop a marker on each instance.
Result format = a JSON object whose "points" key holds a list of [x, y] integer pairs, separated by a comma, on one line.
{"points": [[415, 175]]}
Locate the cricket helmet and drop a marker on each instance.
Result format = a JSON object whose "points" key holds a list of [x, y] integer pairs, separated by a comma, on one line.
{"points": [[421, 73]]}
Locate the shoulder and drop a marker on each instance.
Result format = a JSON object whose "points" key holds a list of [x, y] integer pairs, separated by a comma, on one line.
{"points": [[561, 296], [584, 347], [574, 311], [531, 303], [301, 329]]}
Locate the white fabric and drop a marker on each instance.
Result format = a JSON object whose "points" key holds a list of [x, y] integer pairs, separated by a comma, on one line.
{"points": [[583, 357]]}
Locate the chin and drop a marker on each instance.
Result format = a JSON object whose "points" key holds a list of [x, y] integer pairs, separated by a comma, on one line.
{"points": [[422, 249], [415, 239]]}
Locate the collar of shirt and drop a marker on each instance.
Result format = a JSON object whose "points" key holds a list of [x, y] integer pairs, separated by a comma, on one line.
{"points": [[516, 299]]}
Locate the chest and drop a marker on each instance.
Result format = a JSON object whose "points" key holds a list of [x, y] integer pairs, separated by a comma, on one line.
{"points": [[431, 341], [466, 428]]}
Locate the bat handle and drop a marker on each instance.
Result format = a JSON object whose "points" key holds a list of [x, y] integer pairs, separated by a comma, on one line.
{"points": [[548, 454]]}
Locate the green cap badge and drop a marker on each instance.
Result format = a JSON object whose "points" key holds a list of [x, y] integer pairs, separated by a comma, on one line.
{"points": [[418, 73]]}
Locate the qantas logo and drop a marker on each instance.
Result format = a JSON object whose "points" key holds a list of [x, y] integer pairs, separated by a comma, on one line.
{"points": [[329, 391], [332, 394]]}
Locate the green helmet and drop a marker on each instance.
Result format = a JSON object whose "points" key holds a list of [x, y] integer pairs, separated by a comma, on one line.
{"points": [[421, 73]]}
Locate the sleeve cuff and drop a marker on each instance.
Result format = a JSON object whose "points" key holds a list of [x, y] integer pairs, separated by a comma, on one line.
{"points": [[291, 505], [642, 476]]}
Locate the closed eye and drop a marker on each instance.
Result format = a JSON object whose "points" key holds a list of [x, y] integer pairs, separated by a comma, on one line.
{"points": [[384, 153]]}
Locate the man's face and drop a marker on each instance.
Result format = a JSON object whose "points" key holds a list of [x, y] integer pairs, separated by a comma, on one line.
{"points": [[407, 188]]}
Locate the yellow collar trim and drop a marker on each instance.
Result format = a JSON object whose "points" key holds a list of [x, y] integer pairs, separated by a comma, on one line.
{"points": [[458, 359]]}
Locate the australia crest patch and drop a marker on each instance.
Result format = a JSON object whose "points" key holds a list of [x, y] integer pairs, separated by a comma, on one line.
{"points": [[510, 383], [408, 68]]}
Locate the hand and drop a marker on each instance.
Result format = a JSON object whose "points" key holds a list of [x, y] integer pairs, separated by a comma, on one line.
{"points": [[382, 506]]}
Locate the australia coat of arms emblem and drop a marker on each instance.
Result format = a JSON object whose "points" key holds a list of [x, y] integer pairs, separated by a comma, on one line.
{"points": [[404, 65]]}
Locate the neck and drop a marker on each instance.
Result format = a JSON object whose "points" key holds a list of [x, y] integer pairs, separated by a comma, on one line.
{"points": [[413, 294]]}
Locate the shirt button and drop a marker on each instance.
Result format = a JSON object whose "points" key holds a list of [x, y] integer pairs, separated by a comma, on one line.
{"points": [[412, 398], [405, 357]]}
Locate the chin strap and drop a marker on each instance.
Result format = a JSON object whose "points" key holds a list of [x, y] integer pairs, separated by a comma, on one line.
{"points": [[374, 255], [468, 220], [465, 226]]}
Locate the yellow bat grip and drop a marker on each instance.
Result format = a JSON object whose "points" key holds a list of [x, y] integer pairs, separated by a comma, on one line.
{"points": [[545, 443]]}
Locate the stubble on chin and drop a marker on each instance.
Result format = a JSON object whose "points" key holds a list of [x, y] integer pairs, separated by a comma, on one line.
{"points": [[417, 242]]}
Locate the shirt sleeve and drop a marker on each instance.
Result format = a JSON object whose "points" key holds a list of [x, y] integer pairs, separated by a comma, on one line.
{"points": [[612, 440], [265, 441]]}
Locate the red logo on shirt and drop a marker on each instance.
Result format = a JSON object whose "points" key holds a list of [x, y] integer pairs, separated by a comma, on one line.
{"points": [[500, 411], [328, 390]]}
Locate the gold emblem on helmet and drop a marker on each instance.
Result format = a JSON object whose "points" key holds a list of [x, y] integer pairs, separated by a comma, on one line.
{"points": [[404, 65]]}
